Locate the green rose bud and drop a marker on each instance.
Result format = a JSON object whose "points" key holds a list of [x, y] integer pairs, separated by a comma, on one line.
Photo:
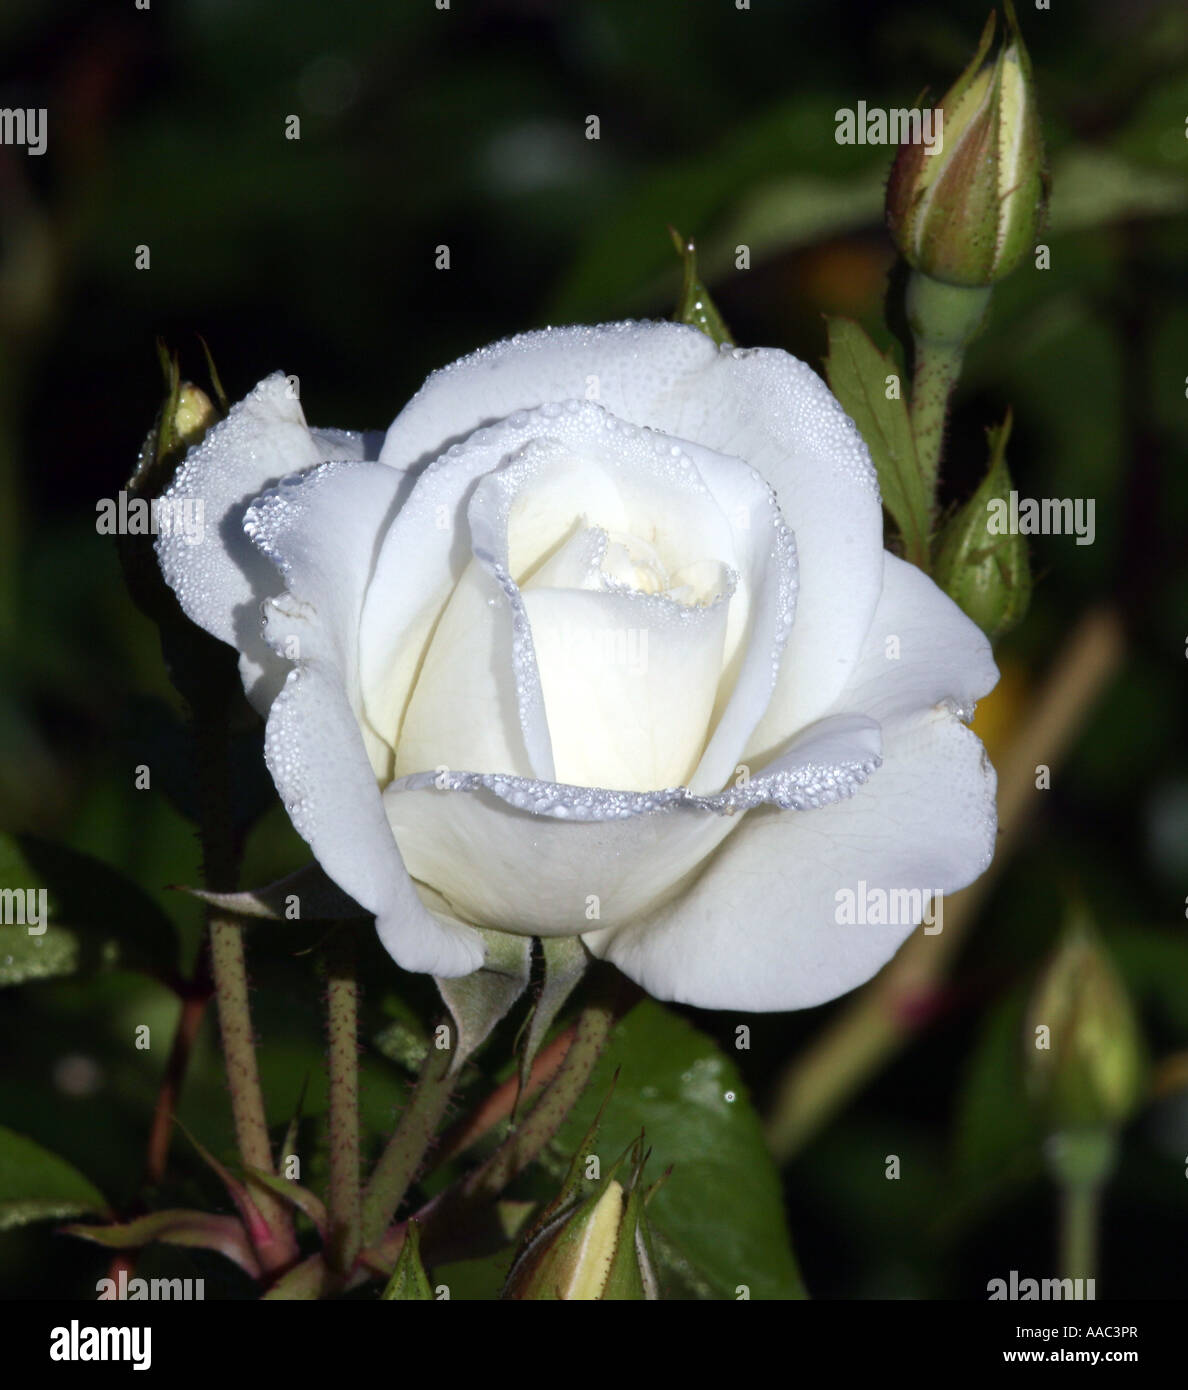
{"points": [[1084, 1052], [409, 1282], [986, 574], [593, 1246], [968, 211]]}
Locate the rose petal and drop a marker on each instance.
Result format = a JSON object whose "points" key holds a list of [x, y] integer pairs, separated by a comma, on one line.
{"points": [[755, 404], [316, 756], [530, 856], [921, 650], [221, 579], [758, 929], [628, 682], [547, 470], [321, 530], [464, 711]]}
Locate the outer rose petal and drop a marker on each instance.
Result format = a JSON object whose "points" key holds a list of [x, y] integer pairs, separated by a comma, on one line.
{"points": [[757, 929], [760, 405], [221, 580], [322, 530], [526, 856], [316, 756], [938, 653]]}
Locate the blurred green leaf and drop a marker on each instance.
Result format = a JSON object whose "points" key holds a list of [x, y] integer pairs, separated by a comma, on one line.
{"points": [[36, 1185], [860, 376], [997, 1140], [198, 1229], [797, 211], [718, 1222], [1092, 187], [623, 265], [96, 917], [1154, 963]]}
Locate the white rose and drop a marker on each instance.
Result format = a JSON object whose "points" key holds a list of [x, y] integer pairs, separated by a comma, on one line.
{"points": [[603, 640]]}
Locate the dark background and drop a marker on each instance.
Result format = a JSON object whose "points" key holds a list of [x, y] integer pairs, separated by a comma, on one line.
{"points": [[466, 128]]}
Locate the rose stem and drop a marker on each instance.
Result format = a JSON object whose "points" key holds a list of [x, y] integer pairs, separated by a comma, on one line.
{"points": [[343, 1028], [193, 1009], [887, 1012], [442, 1216], [499, 1105], [406, 1149], [229, 971], [944, 319], [590, 1034], [1079, 1208]]}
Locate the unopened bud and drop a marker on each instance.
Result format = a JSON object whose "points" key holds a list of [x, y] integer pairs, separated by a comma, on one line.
{"points": [[592, 1247], [980, 563], [1084, 1051], [968, 212]]}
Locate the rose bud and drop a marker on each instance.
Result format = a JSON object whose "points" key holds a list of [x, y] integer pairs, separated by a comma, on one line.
{"points": [[968, 210], [409, 1282], [1084, 1051], [193, 415], [987, 575], [595, 1247]]}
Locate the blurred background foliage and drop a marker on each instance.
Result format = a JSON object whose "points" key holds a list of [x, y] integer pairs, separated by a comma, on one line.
{"points": [[466, 128]]}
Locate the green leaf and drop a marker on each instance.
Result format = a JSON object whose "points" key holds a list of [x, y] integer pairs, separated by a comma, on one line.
{"points": [[307, 1202], [1092, 186], [997, 1142], [94, 916], [858, 376], [198, 1229], [695, 306], [805, 193], [718, 1221], [37, 1185], [306, 895]]}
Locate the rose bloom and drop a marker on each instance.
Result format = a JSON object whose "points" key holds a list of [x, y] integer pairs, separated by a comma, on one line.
{"points": [[600, 639]]}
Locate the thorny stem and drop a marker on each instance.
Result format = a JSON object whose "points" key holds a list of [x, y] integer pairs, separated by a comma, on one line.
{"points": [[229, 971], [441, 1219], [498, 1106], [406, 1149], [343, 1027]]}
